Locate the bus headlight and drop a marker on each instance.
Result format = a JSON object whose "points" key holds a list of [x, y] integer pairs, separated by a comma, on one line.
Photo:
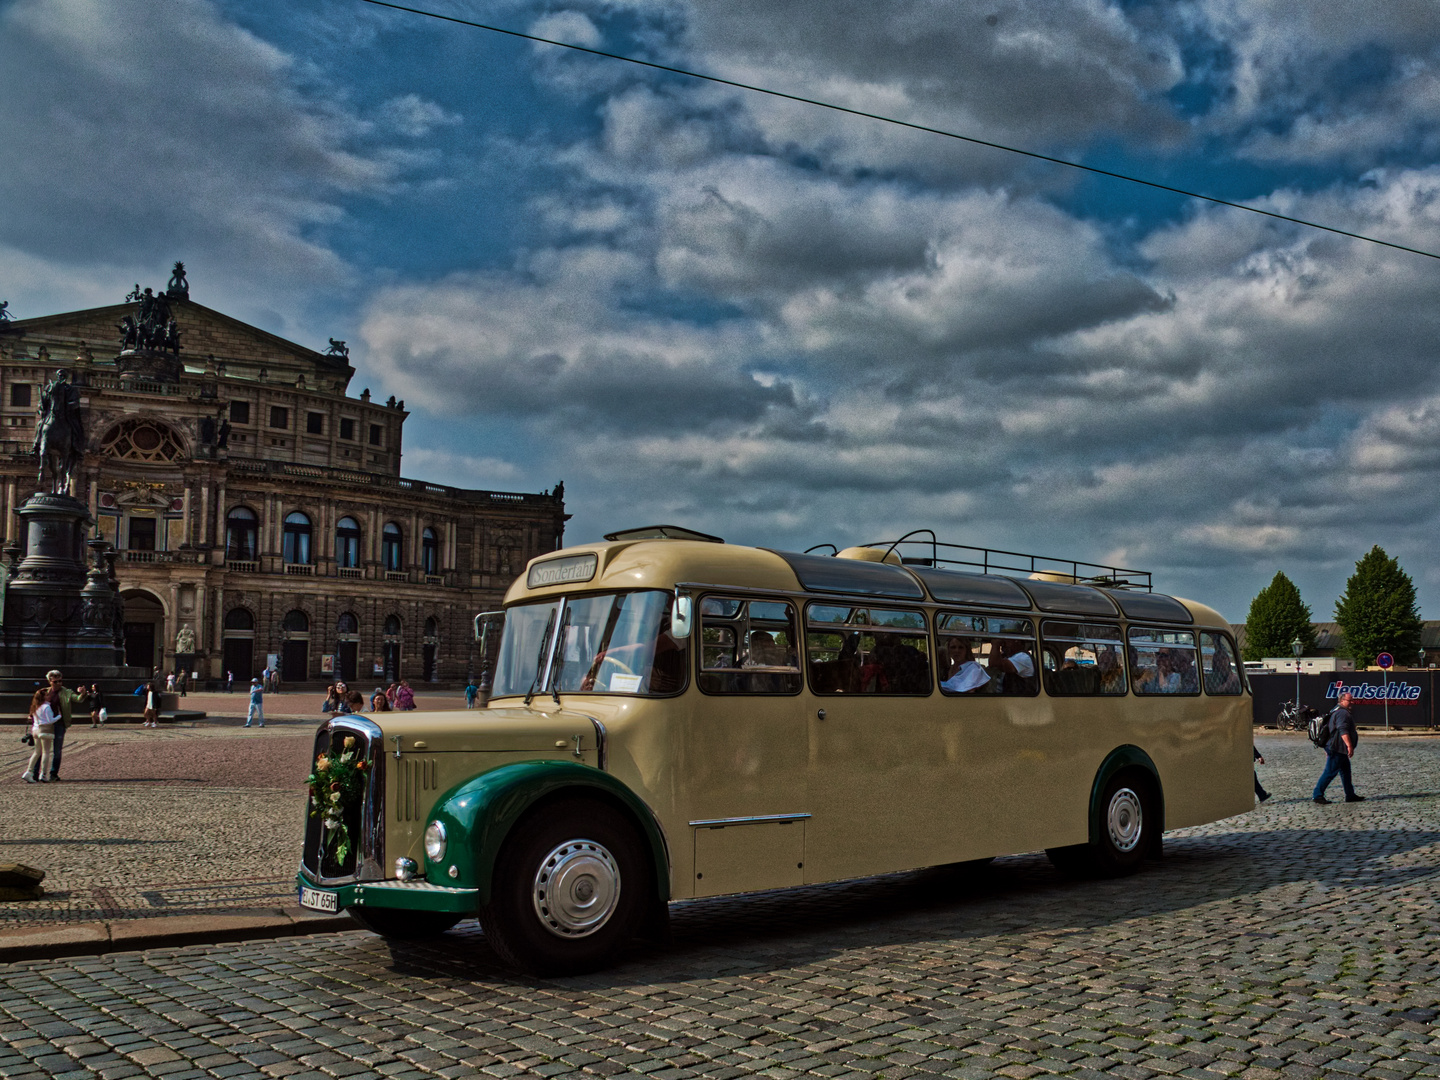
{"points": [[435, 841]]}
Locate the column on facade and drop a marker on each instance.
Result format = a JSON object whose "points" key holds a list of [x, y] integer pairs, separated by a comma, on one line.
{"points": [[187, 529], [414, 562], [217, 624], [172, 624], [199, 534], [9, 509], [216, 522]]}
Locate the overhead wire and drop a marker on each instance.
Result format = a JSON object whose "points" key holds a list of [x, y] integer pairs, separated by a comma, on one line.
{"points": [[900, 123]]}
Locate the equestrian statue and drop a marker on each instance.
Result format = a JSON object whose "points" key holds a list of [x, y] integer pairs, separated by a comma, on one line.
{"points": [[59, 434]]}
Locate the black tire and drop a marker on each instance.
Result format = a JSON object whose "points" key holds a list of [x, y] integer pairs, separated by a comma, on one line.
{"points": [[570, 889], [400, 925], [1129, 824]]}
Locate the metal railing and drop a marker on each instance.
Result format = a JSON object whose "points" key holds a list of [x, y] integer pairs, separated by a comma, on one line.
{"points": [[299, 569], [996, 560]]}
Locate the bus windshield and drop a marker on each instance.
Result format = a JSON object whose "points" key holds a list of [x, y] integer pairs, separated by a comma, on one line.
{"points": [[611, 643]]}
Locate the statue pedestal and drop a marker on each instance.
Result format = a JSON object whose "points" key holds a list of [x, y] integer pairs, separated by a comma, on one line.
{"points": [[60, 612], [148, 365]]}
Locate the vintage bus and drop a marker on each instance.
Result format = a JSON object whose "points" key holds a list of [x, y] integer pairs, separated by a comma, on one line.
{"points": [[674, 717]]}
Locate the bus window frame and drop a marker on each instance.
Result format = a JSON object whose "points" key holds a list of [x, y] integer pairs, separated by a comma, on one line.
{"points": [[863, 603], [796, 607], [1082, 624], [1194, 633], [941, 613], [1238, 665]]}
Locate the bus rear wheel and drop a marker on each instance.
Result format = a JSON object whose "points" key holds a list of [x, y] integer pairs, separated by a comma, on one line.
{"points": [[403, 925], [569, 889], [1128, 824]]}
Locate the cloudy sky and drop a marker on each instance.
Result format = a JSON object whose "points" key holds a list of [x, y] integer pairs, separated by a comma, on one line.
{"points": [[785, 325]]}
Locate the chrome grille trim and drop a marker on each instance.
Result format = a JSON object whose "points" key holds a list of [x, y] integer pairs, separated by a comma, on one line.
{"points": [[370, 845]]}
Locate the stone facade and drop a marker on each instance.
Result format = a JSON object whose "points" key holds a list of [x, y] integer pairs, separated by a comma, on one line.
{"points": [[259, 509]]}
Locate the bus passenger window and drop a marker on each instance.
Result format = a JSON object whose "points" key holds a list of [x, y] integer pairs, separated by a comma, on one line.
{"points": [[748, 647], [1163, 661], [1082, 659], [858, 650], [986, 654], [1222, 675]]}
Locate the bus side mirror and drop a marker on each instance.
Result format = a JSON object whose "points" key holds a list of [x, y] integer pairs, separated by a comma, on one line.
{"points": [[682, 612]]}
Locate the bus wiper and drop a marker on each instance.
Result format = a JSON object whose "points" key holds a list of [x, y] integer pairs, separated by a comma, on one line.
{"points": [[559, 665], [540, 659]]}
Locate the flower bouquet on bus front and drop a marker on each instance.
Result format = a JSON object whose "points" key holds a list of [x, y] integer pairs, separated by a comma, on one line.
{"points": [[336, 783]]}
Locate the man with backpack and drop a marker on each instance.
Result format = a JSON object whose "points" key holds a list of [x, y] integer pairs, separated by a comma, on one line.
{"points": [[1339, 748]]}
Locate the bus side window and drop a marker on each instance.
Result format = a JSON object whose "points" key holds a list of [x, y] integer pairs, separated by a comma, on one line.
{"points": [[1218, 658], [1083, 659], [986, 654], [748, 647], [859, 650], [1163, 661]]}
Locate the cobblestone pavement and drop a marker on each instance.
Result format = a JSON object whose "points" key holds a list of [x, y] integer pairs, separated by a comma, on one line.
{"points": [[1296, 941]]}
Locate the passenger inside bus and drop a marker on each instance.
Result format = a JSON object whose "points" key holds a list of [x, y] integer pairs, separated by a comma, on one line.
{"points": [[1013, 664], [965, 674]]}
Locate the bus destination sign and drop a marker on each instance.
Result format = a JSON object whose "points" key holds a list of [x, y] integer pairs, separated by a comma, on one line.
{"points": [[561, 571]]}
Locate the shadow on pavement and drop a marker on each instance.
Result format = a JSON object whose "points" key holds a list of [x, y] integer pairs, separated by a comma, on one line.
{"points": [[1276, 871]]}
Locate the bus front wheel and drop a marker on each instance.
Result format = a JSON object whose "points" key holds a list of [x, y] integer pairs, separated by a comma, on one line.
{"points": [[1128, 820], [569, 889], [403, 925]]}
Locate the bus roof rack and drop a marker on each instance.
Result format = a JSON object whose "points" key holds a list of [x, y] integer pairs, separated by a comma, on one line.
{"points": [[663, 532], [996, 561]]}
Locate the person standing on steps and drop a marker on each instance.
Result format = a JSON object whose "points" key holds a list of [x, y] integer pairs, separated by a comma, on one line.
{"points": [[1338, 752]]}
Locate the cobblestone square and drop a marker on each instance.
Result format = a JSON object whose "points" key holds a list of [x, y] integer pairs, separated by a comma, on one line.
{"points": [[1296, 941]]}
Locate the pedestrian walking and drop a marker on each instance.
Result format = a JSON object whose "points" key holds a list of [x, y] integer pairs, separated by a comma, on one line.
{"points": [[182, 681], [257, 704], [98, 713], [1260, 792], [1338, 752], [471, 693], [42, 731], [229, 682], [152, 703], [170, 682], [62, 703]]}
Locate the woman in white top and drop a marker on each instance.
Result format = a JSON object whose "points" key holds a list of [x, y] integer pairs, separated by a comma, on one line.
{"points": [[966, 673], [42, 727]]}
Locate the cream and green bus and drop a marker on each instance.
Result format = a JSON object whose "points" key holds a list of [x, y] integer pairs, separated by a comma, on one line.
{"points": [[672, 717]]}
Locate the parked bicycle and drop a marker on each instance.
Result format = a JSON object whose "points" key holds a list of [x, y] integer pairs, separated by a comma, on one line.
{"points": [[1295, 717]]}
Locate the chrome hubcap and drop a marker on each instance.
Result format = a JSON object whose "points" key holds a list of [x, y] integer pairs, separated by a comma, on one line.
{"points": [[576, 888], [1125, 819]]}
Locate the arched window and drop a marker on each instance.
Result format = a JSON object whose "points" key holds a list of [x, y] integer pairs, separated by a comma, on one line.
{"points": [[142, 440], [432, 627], [347, 623], [242, 528], [430, 551], [295, 622], [392, 626], [390, 543], [347, 544], [297, 538], [239, 619]]}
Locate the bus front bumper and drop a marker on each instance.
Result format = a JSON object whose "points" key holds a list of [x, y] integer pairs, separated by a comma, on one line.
{"points": [[404, 895]]}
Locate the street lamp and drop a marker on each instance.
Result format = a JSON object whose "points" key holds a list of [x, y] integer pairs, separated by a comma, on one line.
{"points": [[1297, 647]]}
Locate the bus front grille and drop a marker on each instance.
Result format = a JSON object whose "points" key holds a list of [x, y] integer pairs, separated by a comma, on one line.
{"points": [[364, 819]]}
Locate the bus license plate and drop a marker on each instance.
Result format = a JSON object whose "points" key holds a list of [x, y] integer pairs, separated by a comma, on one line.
{"points": [[316, 900]]}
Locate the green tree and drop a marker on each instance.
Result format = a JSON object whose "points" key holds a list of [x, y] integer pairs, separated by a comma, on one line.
{"points": [[1277, 617], [1377, 611]]}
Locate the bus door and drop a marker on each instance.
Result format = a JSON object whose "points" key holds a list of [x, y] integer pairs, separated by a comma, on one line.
{"points": [[744, 771], [883, 773]]}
